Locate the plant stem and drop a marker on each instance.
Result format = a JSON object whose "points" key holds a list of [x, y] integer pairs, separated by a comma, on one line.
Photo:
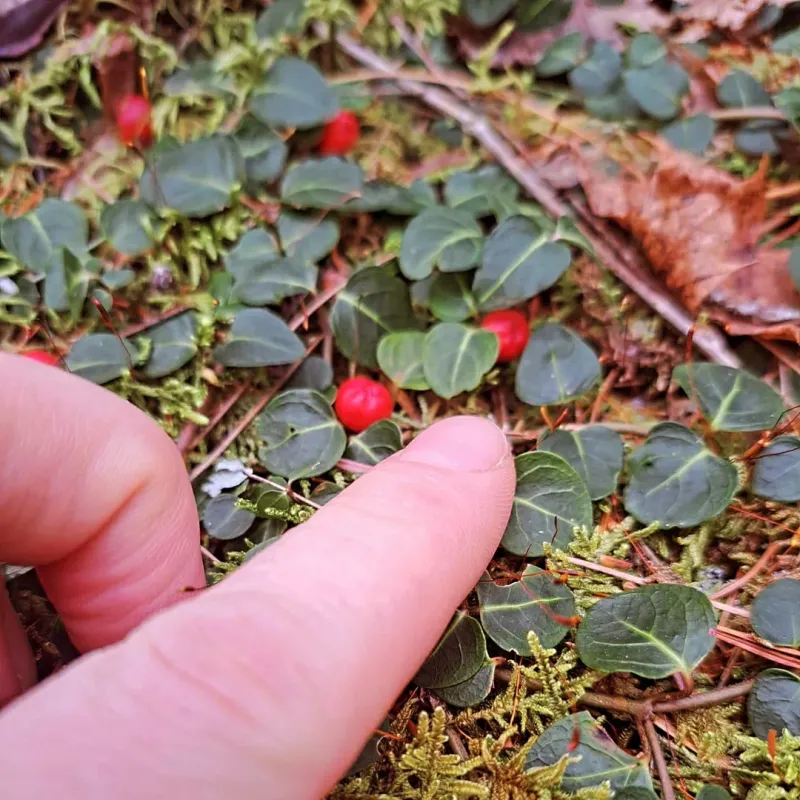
{"points": [[667, 790]]}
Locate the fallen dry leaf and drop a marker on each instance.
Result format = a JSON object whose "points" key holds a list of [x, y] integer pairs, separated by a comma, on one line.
{"points": [[700, 228], [594, 21], [732, 15]]}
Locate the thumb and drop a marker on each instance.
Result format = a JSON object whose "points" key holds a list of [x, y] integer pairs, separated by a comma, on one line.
{"points": [[270, 683]]}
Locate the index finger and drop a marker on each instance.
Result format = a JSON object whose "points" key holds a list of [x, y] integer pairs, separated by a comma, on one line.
{"points": [[95, 495]]}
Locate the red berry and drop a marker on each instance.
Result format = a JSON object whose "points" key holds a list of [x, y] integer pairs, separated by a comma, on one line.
{"points": [[512, 332], [340, 135], [42, 356], [360, 402], [134, 121]]}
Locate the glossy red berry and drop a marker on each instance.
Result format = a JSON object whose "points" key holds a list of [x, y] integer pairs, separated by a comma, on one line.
{"points": [[42, 356], [340, 135], [360, 402], [135, 121], [512, 332]]}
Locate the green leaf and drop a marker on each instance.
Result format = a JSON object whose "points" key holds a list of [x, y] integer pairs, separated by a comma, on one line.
{"points": [[36, 238], [675, 481], [776, 474], [536, 15], [479, 190], [774, 703], [757, 137], [376, 443], [561, 56], [263, 151], [775, 613], [711, 792], [373, 303], [616, 105], [116, 279], [653, 631], [307, 237], [597, 758], [645, 50], [322, 183], [223, 521], [259, 338], [129, 226], [556, 367], [635, 793], [256, 247], [485, 13], [657, 90], [293, 94], [730, 399], [739, 89], [459, 655], [567, 230], [99, 357], [400, 359], [596, 75], [445, 237], [519, 261], [693, 134], [380, 195], [66, 283], [788, 43], [456, 357], [314, 373], [174, 345], [196, 179], [270, 281], [283, 16], [198, 80], [472, 691], [550, 501], [534, 603], [596, 453], [302, 437], [450, 298]]}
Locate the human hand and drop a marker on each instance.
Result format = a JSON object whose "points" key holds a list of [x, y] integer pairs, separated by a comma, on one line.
{"points": [[266, 685]]}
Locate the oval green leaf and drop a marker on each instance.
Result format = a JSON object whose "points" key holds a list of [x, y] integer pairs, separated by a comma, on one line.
{"points": [[224, 521], [597, 74], [301, 435], [693, 134], [645, 50], [556, 367], [459, 655], [445, 237], [472, 691], [314, 373], [263, 151], [775, 613], [400, 359], [596, 453], [478, 191], [196, 179], [658, 90], [730, 399], [308, 237], [597, 757], [173, 345], [255, 248], [373, 303], [129, 226], [379, 441], [534, 603], [270, 281], [776, 474], [293, 94], [485, 13], [259, 338], [739, 89], [561, 56], [550, 501], [99, 357], [675, 481], [774, 703], [456, 357], [450, 298], [653, 631], [518, 262], [322, 183]]}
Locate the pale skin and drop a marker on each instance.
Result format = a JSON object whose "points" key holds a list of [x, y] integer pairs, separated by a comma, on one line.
{"points": [[266, 685]]}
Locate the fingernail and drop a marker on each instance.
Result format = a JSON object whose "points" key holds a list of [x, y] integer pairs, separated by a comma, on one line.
{"points": [[461, 444]]}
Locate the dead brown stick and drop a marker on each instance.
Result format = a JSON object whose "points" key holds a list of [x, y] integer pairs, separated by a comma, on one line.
{"points": [[667, 789], [710, 341]]}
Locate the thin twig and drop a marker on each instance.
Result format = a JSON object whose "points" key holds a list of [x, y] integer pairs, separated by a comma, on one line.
{"points": [[287, 491], [188, 440], [748, 112], [761, 564], [667, 789], [265, 397], [132, 330], [707, 339]]}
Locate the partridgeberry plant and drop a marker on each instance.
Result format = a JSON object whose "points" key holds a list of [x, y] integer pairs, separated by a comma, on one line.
{"points": [[294, 263]]}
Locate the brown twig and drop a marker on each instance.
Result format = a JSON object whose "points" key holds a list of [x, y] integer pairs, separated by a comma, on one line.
{"points": [[748, 112], [710, 341], [759, 566], [189, 437], [667, 789], [263, 399]]}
